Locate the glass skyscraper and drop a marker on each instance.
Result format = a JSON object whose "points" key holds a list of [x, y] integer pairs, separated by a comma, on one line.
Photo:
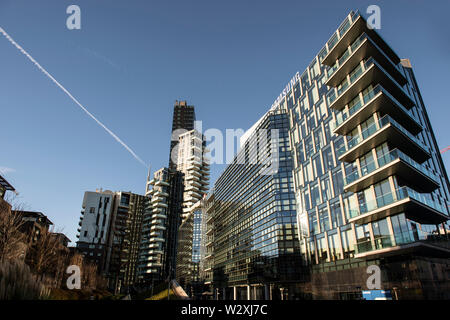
{"points": [[188, 252], [252, 218]]}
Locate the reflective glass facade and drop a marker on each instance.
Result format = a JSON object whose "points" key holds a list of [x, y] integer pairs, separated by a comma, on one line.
{"points": [[251, 217], [188, 252]]}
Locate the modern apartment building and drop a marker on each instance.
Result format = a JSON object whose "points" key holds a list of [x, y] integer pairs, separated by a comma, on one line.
{"points": [[370, 182], [94, 231], [157, 255], [126, 235], [34, 224], [251, 218], [109, 234], [191, 161]]}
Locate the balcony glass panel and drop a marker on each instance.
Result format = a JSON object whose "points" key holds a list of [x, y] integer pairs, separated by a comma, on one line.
{"points": [[385, 159], [342, 116], [344, 57], [375, 127], [392, 197], [354, 76], [402, 238]]}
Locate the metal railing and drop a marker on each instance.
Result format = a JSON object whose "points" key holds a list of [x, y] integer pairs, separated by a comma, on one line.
{"points": [[385, 159], [395, 196], [374, 128]]}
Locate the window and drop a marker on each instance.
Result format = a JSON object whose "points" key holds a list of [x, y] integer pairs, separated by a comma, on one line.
{"points": [[318, 138], [338, 182], [315, 195], [363, 238], [317, 166], [338, 144], [312, 222], [308, 172], [368, 127], [309, 147], [306, 202], [300, 153], [326, 188], [350, 205], [336, 214], [381, 234], [92, 210], [314, 69], [324, 219], [383, 193], [328, 162], [311, 119], [367, 163], [335, 247], [322, 249], [348, 243], [313, 95]]}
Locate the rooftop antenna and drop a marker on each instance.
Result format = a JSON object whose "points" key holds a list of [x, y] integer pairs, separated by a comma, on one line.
{"points": [[148, 173]]}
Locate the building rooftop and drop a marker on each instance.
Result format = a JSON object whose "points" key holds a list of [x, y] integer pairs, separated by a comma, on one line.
{"points": [[6, 185]]}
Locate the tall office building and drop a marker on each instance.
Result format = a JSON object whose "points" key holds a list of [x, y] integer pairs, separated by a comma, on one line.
{"points": [[183, 120], [109, 234], [370, 182], [251, 217]]}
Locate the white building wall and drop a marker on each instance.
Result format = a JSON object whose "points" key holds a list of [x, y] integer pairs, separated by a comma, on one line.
{"points": [[98, 208]]}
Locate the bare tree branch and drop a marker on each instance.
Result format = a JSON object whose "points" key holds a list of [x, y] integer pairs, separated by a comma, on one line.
{"points": [[12, 240]]}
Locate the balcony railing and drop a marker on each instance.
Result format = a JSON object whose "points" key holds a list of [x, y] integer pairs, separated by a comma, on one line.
{"points": [[342, 116], [370, 71], [374, 128], [384, 160], [342, 30], [396, 196], [362, 47], [402, 238], [349, 30]]}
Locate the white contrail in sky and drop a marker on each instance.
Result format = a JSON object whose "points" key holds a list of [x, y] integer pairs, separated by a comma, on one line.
{"points": [[2, 31]]}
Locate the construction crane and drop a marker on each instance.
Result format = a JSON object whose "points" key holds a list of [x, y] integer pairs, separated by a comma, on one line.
{"points": [[445, 149]]}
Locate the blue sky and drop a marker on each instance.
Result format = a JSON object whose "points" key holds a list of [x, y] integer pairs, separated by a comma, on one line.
{"points": [[132, 59]]}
